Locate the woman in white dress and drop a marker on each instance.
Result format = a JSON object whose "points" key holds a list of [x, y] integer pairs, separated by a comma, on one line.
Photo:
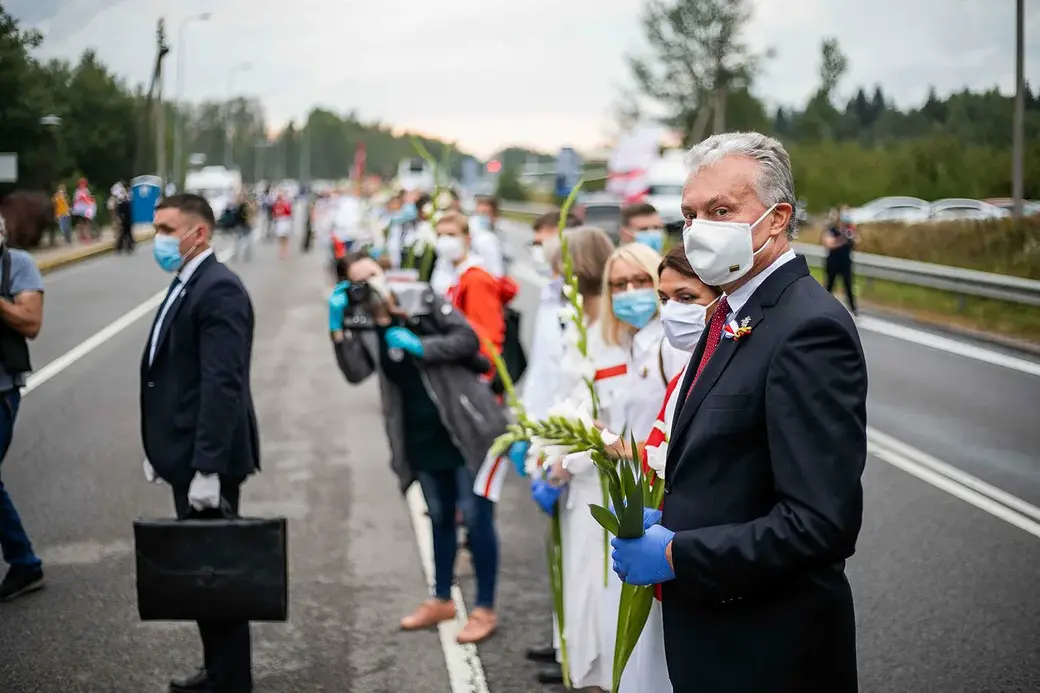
{"points": [[686, 307], [584, 555], [631, 328]]}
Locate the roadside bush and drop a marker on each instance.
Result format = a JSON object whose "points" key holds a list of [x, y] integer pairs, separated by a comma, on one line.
{"points": [[1000, 246]]}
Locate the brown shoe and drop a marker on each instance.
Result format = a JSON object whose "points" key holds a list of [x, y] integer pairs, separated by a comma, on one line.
{"points": [[480, 626], [430, 613]]}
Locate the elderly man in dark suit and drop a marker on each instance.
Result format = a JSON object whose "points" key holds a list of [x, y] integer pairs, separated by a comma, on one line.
{"points": [[197, 417], [763, 493]]}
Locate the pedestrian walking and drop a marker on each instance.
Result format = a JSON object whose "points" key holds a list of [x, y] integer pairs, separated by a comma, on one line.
{"points": [[839, 238], [197, 418], [21, 315]]}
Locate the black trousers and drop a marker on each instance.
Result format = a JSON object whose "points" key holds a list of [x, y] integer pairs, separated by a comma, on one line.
{"points": [[226, 645], [126, 235], [841, 267]]}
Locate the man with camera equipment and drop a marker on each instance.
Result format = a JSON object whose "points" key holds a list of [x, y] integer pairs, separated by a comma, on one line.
{"points": [[440, 418], [21, 315]]}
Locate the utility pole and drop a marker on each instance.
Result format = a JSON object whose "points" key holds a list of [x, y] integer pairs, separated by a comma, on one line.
{"points": [[305, 154], [160, 128], [178, 132], [1018, 137]]}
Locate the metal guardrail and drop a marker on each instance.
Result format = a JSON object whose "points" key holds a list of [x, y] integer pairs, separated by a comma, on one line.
{"points": [[956, 280]]}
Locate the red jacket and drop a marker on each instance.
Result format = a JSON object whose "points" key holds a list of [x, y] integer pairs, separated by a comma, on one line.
{"points": [[282, 209], [482, 298]]}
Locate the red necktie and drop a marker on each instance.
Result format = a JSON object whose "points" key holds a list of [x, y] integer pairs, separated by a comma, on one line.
{"points": [[718, 321]]}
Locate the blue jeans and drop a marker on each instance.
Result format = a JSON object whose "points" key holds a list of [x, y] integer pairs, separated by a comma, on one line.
{"points": [[444, 491], [17, 549]]}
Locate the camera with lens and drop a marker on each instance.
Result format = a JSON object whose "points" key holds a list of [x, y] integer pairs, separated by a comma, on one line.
{"points": [[358, 315]]}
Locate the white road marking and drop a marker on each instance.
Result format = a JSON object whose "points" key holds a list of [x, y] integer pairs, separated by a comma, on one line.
{"points": [[945, 477], [94, 341], [950, 346], [465, 672]]}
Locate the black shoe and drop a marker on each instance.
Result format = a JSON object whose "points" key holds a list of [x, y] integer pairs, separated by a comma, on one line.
{"points": [[546, 655], [21, 579], [551, 674], [196, 683]]}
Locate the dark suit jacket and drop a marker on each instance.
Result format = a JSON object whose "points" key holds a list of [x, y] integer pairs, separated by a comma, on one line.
{"points": [[764, 493], [196, 404]]}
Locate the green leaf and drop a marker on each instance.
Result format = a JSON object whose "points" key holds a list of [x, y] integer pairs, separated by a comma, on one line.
{"points": [[604, 517], [633, 611]]}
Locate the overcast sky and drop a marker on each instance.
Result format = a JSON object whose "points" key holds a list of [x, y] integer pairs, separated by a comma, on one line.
{"points": [[540, 73]]}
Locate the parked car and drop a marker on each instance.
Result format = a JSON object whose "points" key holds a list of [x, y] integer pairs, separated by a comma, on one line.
{"points": [[603, 211], [961, 208], [898, 209], [1029, 207]]}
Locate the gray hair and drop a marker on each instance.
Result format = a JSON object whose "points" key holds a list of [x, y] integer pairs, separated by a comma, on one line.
{"points": [[774, 183]]}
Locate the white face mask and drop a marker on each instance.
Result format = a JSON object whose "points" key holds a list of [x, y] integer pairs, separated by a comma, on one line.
{"points": [[721, 252], [378, 284], [684, 323], [451, 248]]}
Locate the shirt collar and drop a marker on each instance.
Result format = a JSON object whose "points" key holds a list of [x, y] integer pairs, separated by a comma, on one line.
{"points": [[189, 269], [740, 296]]}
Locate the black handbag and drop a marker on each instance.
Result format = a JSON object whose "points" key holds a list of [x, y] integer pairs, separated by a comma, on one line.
{"points": [[222, 569]]}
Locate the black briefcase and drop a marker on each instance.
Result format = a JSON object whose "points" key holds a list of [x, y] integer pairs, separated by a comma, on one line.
{"points": [[222, 569]]}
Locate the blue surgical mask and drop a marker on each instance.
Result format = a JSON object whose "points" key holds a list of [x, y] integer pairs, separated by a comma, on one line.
{"points": [[482, 222], [406, 214], [636, 307], [651, 237], [167, 251]]}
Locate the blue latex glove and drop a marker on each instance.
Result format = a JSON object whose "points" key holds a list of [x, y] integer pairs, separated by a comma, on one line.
{"points": [[642, 561], [404, 339], [375, 253], [337, 304], [545, 495], [518, 456], [650, 517]]}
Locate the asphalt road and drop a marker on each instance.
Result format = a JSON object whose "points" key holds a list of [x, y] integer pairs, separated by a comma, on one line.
{"points": [[945, 592]]}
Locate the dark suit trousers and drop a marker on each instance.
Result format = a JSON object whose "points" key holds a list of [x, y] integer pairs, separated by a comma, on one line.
{"points": [[226, 646]]}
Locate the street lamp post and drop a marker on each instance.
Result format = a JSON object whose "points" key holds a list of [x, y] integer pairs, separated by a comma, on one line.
{"points": [[228, 154], [1018, 135], [51, 123], [178, 131]]}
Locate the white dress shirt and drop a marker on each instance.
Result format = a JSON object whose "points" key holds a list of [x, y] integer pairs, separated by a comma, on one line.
{"points": [[182, 279], [740, 296]]}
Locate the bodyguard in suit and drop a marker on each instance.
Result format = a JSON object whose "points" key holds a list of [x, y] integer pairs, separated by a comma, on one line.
{"points": [[197, 417], [763, 497]]}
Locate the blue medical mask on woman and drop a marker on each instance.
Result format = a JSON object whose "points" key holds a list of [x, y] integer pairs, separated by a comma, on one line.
{"points": [[637, 307], [406, 214], [166, 250], [653, 238]]}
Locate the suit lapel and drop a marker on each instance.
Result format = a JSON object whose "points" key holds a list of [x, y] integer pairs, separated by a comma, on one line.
{"points": [[751, 314], [178, 301]]}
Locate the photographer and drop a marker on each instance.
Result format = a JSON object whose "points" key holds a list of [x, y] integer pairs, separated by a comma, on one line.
{"points": [[440, 418]]}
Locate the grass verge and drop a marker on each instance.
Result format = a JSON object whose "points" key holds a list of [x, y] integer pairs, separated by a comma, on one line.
{"points": [[984, 315]]}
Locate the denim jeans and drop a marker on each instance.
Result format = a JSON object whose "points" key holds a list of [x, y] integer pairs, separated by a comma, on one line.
{"points": [[444, 491], [17, 550]]}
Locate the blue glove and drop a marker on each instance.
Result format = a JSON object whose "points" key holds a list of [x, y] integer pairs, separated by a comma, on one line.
{"points": [[650, 517], [375, 253], [337, 304], [404, 339], [642, 561], [545, 495], [518, 456]]}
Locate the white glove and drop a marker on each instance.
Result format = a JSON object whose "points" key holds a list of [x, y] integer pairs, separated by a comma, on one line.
{"points": [[204, 492], [149, 473]]}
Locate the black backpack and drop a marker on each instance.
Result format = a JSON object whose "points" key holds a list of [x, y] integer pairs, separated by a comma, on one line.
{"points": [[512, 352]]}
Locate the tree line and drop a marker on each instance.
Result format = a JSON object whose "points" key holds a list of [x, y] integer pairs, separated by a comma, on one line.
{"points": [[698, 70], [701, 73]]}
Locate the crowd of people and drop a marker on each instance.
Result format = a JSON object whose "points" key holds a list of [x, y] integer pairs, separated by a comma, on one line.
{"points": [[760, 449]]}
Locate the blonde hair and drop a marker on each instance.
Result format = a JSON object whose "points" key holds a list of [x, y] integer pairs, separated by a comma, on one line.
{"points": [[645, 258], [589, 248], [459, 220]]}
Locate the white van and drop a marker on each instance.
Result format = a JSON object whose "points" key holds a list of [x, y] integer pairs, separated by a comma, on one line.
{"points": [[217, 184], [665, 180]]}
